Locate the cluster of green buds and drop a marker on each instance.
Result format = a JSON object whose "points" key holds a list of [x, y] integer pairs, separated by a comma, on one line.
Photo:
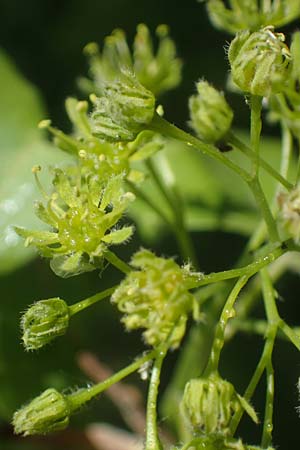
{"points": [[156, 298], [124, 110], [158, 72], [260, 61], [44, 321], [209, 403], [99, 158], [83, 215], [210, 114], [251, 14], [289, 210]]}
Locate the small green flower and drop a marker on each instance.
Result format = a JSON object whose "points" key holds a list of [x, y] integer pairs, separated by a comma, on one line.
{"points": [[44, 321], [155, 298], [83, 215], [47, 413], [260, 61], [208, 405], [211, 116], [252, 15], [158, 72], [124, 110]]}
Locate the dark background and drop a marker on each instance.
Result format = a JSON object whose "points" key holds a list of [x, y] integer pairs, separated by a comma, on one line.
{"points": [[45, 39]]}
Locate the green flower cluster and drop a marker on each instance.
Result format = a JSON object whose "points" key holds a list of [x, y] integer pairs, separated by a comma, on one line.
{"points": [[156, 298], [251, 14], [158, 72], [83, 215]]}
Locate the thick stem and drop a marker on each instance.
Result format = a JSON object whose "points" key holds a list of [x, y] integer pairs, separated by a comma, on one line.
{"points": [[152, 438]]}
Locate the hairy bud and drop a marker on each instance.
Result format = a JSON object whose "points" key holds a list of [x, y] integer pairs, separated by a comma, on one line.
{"points": [[46, 413], [259, 61], [208, 404], [43, 322], [211, 116], [124, 110]]}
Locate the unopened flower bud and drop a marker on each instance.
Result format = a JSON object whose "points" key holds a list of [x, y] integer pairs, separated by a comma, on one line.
{"points": [[125, 109], [43, 322], [211, 116], [259, 61], [208, 404], [46, 413]]}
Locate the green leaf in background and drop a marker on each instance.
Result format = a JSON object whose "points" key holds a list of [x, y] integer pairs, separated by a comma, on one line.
{"points": [[213, 197], [22, 145]]}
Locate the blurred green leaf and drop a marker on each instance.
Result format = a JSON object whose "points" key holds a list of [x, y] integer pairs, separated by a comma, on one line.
{"points": [[22, 145], [213, 197]]}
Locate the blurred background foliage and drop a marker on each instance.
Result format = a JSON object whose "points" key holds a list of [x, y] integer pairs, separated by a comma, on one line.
{"points": [[40, 60]]}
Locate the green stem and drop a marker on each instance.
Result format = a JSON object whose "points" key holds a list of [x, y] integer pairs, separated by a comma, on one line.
{"points": [[261, 201], [256, 125], [248, 270], [152, 438], [162, 126], [239, 145], [183, 238], [113, 259], [227, 313], [140, 194], [79, 398], [293, 334], [268, 347], [79, 306], [273, 321], [268, 420]]}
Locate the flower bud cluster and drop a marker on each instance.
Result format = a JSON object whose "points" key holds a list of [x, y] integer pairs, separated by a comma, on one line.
{"points": [[155, 298], [99, 158], [210, 114], [208, 405], [158, 72], [260, 61], [252, 15], [124, 109], [83, 215]]}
